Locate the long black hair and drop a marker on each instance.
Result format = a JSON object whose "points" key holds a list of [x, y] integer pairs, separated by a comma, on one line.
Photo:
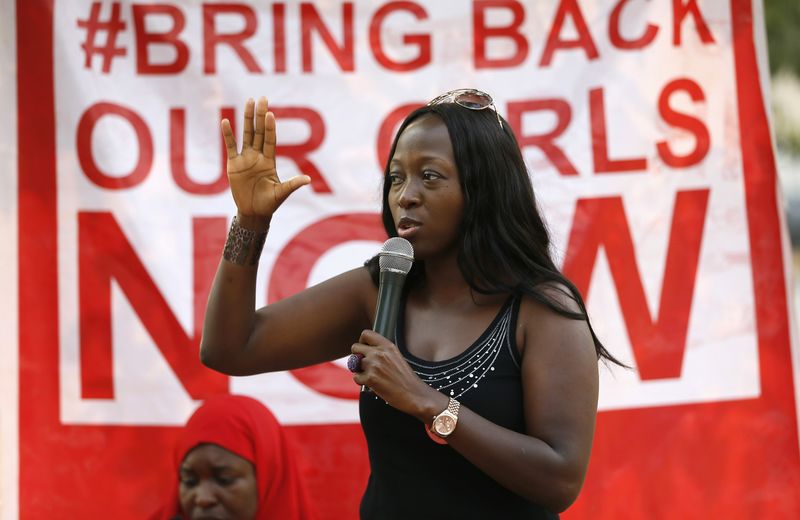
{"points": [[505, 243]]}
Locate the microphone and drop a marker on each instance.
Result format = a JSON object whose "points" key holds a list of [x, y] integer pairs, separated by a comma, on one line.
{"points": [[395, 260]]}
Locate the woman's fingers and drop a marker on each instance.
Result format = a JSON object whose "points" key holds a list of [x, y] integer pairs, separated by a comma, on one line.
{"points": [[370, 337], [270, 136], [290, 185], [261, 112], [360, 378], [271, 193], [247, 133], [360, 348], [230, 140]]}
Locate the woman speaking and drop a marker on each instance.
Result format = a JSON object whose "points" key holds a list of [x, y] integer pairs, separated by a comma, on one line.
{"points": [[483, 403]]}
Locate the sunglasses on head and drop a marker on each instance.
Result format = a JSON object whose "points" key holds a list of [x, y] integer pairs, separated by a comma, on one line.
{"points": [[468, 98]]}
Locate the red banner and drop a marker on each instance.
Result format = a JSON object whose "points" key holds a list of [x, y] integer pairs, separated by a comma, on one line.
{"points": [[645, 129]]}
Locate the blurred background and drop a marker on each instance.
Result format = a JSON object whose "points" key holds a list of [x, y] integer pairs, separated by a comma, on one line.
{"points": [[783, 38]]}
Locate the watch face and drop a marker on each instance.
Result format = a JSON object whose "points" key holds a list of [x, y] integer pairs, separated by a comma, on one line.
{"points": [[444, 425]]}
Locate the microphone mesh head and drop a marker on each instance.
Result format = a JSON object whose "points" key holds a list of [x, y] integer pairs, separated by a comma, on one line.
{"points": [[397, 254]]}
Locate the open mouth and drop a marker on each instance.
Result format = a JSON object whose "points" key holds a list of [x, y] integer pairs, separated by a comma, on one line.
{"points": [[407, 227]]}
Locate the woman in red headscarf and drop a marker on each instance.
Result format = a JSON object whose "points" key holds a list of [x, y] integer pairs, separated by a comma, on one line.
{"points": [[232, 462]]}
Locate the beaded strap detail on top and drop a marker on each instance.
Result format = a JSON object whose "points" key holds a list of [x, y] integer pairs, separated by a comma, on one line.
{"points": [[457, 376]]}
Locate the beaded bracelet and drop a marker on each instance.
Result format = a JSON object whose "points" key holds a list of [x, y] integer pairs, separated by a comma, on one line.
{"points": [[243, 246]]}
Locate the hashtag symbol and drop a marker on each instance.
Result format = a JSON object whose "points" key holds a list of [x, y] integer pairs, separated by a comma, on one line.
{"points": [[111, 26]]}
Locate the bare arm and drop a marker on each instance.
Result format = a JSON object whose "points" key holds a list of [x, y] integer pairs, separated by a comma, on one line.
{"points": [[560, 384], [546, 464], [315, 325]]}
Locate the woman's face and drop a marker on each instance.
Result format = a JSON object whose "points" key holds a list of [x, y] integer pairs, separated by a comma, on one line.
{"points": [[218, 484], [425, 195]]}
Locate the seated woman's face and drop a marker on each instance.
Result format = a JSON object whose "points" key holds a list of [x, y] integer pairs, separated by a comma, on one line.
{"points": [[218, 484]]}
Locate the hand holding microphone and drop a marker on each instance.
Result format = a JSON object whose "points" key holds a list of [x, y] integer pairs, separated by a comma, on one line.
{"points": [[376, 361], [395, 260]]}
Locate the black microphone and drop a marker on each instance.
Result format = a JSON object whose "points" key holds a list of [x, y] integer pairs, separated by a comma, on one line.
{"points": [[395, 260]]}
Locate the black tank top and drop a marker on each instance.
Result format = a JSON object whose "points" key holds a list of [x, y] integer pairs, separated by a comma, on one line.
{"points": [[414, 477]]}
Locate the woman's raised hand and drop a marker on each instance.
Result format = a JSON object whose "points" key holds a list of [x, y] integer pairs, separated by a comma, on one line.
{"points": [[252, 175]]}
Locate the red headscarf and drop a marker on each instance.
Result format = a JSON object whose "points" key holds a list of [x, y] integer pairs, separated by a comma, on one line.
{"points": [[247, 428]]}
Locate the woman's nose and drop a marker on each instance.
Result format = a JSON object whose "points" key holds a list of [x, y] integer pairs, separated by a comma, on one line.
{"points": [[409, 196], [205, 495]]}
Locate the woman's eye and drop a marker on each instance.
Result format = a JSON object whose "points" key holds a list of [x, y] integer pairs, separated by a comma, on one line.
{"points": [[188, 481], [430, 175], [395, 178], [225, 480]]}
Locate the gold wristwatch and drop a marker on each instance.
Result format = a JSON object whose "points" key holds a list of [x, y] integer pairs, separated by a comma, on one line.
{"points": [[445, 423]]}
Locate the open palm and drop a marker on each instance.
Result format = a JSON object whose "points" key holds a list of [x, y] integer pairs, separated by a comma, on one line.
{"points": [[252, 175]]}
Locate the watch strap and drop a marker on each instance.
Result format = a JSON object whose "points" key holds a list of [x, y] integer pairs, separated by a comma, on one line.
{"points": [[453, 406], [433, 436]]}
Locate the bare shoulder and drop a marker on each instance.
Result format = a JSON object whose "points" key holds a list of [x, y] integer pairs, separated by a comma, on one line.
{"points": [[358, 280], [541, 331], [358, 283], [560, 294]]}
